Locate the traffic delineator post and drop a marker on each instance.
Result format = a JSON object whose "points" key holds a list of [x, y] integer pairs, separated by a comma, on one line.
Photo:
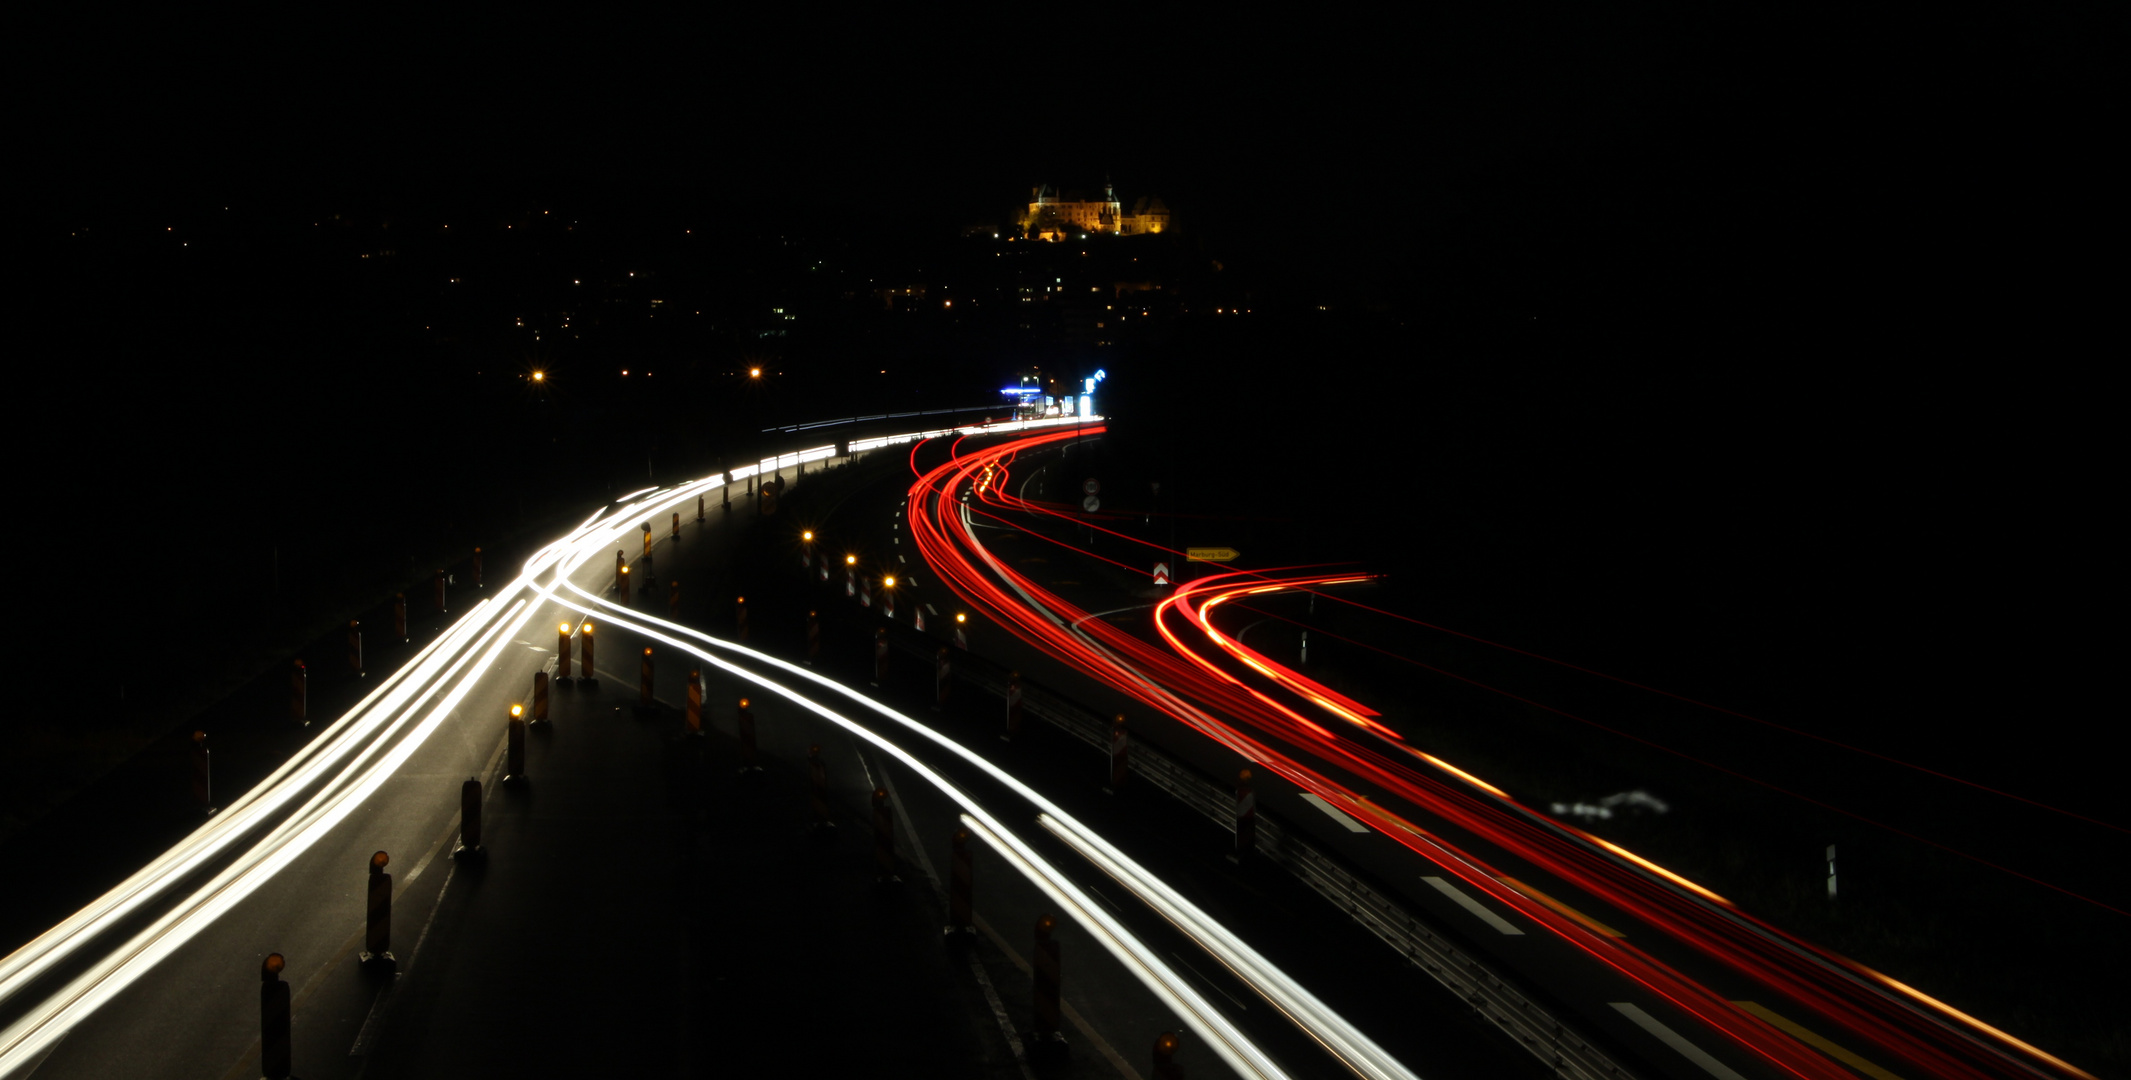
{"points": [[693, 716], [589, 676], [699, 509], [469, 845], [750, 484], [439, 579], [275, 1055], [647, 537], [562, 652], [399, 616], [644, 702], [1013, 707], [1044, 1032], [865, 592], [299, 694], [1165, 1066], [744, 723], [725, 495], [740, 618], [880, 655], [621, 584], [883, 838], [355, 648], [1246, 819], [942, 679], [813, 637], [621, 572], [203, 786], [1120, 755], [477, 568], [540, 697], [377, 933], [961, 631], [818, 788], [961, 925], [806, 549], [673, 599], [514, 747], [676, 526]]}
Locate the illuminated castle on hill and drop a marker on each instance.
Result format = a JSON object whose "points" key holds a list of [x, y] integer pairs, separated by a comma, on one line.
{"points": [[1054, 214]]}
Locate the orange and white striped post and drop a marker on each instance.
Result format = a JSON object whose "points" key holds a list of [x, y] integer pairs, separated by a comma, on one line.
{"points": [[943, 679], [540, 697], [961, 924], [377, 935], [865, 592], [1045, 1029], [880, 655], [1013, 707], [562, 652], [203, 786], [643, 682], [588, 675], [647, 537], [673, 599], [818, 788], [883, 838], [1120, 755], [275, 1056], [477, 568], [1246, 819], [300, 694], [676, 526], [439, 578], [469, 846], [514, 747], [1165, 1066], [740, 618], [692, 716], [813, 637], [399, 616], [355, 647], [744, 723]]}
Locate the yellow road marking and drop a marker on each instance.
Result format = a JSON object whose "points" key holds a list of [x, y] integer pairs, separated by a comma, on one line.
{"points": [[1818, 1043], [1593, 924]]}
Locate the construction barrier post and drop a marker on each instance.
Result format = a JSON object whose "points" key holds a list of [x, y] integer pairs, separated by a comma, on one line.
{"points": [[961, 925], [1165, 1066], [813, 637], [1246, 820], [699, 509], [469, 846], [961, 631], [441, 609], [725, 496], [540, 697], [275, 1058], [693, 717], [203, 788], [643, 683], [740, 618], [300, 694], [883, 839], [676, 526], [1045, 1030], [621, 572], [1120, 755], [673, 599], [744, 722], [586, 674], [399, 616], [514, 747], [880, 655], [477, 568], [1013, 707], [818, 788], [355, 648], [751, 485], [377, 937], [647, 537], [942, 679], [562, 652]]}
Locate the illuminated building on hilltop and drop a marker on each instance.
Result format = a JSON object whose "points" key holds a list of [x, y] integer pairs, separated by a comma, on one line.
{"points": [[1054, 214]]}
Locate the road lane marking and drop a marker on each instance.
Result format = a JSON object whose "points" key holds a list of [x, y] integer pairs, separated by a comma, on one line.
{"points": [[1814, 1040], [1589, 923], [1673, 1039], [1472, 905], [1334, 813]]}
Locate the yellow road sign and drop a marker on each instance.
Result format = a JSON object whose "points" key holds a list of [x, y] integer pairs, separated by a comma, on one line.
{"points": [[1211, 554]]}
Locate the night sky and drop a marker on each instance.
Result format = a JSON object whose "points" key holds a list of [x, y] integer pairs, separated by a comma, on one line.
{"points": [[1796, 321]]}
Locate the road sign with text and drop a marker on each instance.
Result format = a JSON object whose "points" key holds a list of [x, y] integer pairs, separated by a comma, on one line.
{"points": [[1211, 554]]}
